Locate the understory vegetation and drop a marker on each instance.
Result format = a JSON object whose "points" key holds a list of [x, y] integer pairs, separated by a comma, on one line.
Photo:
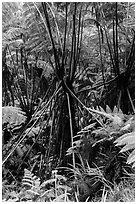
{"points": [[68, 101]]}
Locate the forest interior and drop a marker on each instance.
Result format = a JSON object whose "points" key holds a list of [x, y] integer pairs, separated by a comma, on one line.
{"points": [[68, 101]]}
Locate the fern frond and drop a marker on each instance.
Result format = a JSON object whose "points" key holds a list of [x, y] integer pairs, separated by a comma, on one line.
{"points": [[128, 141], [13, 115], [27, 178], [30, 180]]}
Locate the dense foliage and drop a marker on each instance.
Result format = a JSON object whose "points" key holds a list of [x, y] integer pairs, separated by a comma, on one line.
{"points": [[68, 101]]}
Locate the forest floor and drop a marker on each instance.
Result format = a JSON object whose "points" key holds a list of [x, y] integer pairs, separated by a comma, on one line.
{"points": [[122, 192]]}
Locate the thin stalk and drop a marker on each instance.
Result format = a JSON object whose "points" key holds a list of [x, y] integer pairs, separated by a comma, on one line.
{"points": [[114, 47], [81, 32], [126, 28], [119, 99], [130, 99], [79, 26], [73, 46], [74, 54], [59, 73], [48, 28], [110, 50], [100, 50], [32, 93], [39, 31], [117, 61], [131, 58], [17, 59], [50, 136], [65, 35], [78, 43], [109, 44], [17, 87], [41, 16], [57, 27], [71, 129], [26, 82], [71, 57]]}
